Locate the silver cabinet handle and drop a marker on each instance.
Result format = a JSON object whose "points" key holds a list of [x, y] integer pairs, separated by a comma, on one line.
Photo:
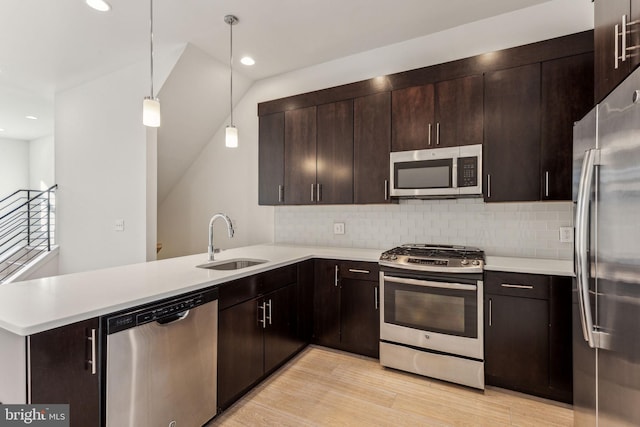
{"points": [[507, 285], [312, 191], [269, 315], [386, 189], [318, 187], [546, 183], [93, 362], [490, 313], [438, 133], [488, 186], [616, 33], [357, 270], [375, 297], [264, 314], [280, 193], [624, 38], [335, 279], [429, 137]]}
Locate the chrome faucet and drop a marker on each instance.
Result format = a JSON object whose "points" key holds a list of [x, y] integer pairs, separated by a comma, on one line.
{"points": [[229, 229]]}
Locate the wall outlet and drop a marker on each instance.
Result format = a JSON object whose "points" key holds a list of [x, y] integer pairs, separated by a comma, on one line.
{"points": [[338, 228], [118, 225], [566, 234]]}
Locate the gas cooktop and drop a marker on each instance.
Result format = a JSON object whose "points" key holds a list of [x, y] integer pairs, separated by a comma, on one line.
{"points": [[436, 258]]}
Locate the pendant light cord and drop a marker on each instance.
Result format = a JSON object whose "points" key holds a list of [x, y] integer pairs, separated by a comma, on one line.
{"points": [[151, 43], [231, 69]]}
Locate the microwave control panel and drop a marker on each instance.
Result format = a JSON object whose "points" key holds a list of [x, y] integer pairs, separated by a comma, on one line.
{"points": [[467, 171]]}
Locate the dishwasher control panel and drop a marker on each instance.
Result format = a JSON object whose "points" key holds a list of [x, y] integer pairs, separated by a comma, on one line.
{"points": [[158, 311]]}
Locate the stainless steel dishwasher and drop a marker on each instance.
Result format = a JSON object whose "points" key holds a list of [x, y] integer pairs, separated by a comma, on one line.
{"points": [[162, 363]]}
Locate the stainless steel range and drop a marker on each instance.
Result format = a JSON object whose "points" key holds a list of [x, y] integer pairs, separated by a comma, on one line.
{"points": [[431, 317]]}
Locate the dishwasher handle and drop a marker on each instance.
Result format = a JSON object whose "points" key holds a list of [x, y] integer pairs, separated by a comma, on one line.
{"points": [[173, 318]]}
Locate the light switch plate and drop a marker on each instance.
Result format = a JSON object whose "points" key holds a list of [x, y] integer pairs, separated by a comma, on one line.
{"points": [[338, 228], [119, 225]]}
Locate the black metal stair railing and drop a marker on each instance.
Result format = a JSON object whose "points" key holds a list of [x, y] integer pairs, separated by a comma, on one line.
{"points": [[27, 228]]}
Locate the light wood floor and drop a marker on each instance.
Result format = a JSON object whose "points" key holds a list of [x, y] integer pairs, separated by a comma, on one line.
{"points": [[324, 387]]}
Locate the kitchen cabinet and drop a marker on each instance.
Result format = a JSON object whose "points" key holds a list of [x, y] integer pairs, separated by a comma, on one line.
{"points": [[271, 159], [334, 153], [567, 95], [432, 115], [528, 334], [512, 134], [300, 127], [64, 369], [346, 313], [609, 39], [371, 148], [257, 330]]}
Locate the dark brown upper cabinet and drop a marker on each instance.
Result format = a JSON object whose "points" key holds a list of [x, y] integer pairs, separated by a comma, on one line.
{"points": [[300, 156], [446, 114], [371, 147], [567, 95], [271, 159], [512, 134], [334, 160], [616, 33]]}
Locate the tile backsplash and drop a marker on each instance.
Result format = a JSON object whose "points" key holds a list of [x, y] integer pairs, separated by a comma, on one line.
{"points": [[502, 229]]}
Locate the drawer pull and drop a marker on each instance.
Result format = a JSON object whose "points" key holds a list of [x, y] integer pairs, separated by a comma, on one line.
{"points": [[507, 285], [356, 270]]}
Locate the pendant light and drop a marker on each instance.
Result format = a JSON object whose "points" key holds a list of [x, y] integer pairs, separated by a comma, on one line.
{"points": [[231, 132], [151, 105]]}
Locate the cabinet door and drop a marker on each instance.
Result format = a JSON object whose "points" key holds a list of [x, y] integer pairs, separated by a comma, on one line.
{"points": [[412, 118], [512, 134], [326, 304], [517, 343], [334, 161], [459, 112], [240, 350], [271, 159], [360, 317], [61, 372], [567, 95], [371, 147], [281, 329], [608, 14], [300, 156], [305, 300], [560, 339]]}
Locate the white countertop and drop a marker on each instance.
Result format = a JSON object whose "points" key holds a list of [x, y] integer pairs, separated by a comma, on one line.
{"points": [[34, 306], [530, 265]]}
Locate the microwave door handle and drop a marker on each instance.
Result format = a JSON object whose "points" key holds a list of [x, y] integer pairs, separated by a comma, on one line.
{"points": [[454, 173], [429, 284]]}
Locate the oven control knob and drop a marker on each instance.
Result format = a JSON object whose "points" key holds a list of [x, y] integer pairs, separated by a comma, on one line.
{"points": [[475, 262], [464, 262]]}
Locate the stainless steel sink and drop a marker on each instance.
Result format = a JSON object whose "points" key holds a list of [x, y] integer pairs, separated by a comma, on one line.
{"points": [[231, 264]]}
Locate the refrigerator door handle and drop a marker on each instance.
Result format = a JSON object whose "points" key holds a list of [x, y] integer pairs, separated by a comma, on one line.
{"points": [[581, 244]]}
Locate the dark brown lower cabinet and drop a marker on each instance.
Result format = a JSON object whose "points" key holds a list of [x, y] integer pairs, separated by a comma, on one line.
{"points": [[61, 370], [258, 334], [528, 334], [346, 314]]}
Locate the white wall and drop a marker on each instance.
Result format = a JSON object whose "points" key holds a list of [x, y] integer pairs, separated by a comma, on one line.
{"points": [[14, 166], [41, 163], [226, 180]]}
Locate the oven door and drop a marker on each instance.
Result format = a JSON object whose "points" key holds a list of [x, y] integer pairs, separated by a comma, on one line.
{"points": [[432, 313]]}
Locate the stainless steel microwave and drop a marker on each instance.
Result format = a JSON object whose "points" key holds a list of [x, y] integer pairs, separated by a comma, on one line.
{"points": [[437, 172]]}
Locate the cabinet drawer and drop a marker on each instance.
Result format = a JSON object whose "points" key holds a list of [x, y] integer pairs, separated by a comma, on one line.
{"points": [[517, 284], [359, 270], [276, 279]]}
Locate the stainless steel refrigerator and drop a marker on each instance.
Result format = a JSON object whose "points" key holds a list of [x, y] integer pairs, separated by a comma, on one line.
{"points": [[606, 309]]}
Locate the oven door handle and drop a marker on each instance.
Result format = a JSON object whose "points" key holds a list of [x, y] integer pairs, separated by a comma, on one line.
{"points": [[430, 284]]}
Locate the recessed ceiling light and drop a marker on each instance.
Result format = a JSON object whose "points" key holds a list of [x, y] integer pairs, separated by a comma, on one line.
{"points": [[99, 5], [31, 117], [247, 60]]}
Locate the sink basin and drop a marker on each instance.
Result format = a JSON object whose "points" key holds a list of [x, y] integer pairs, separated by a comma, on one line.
{"points": [[231, 264]]}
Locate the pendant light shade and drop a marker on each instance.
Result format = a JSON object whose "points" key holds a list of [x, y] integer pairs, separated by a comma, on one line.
{"points": [[151, 104], [231, 134]]}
